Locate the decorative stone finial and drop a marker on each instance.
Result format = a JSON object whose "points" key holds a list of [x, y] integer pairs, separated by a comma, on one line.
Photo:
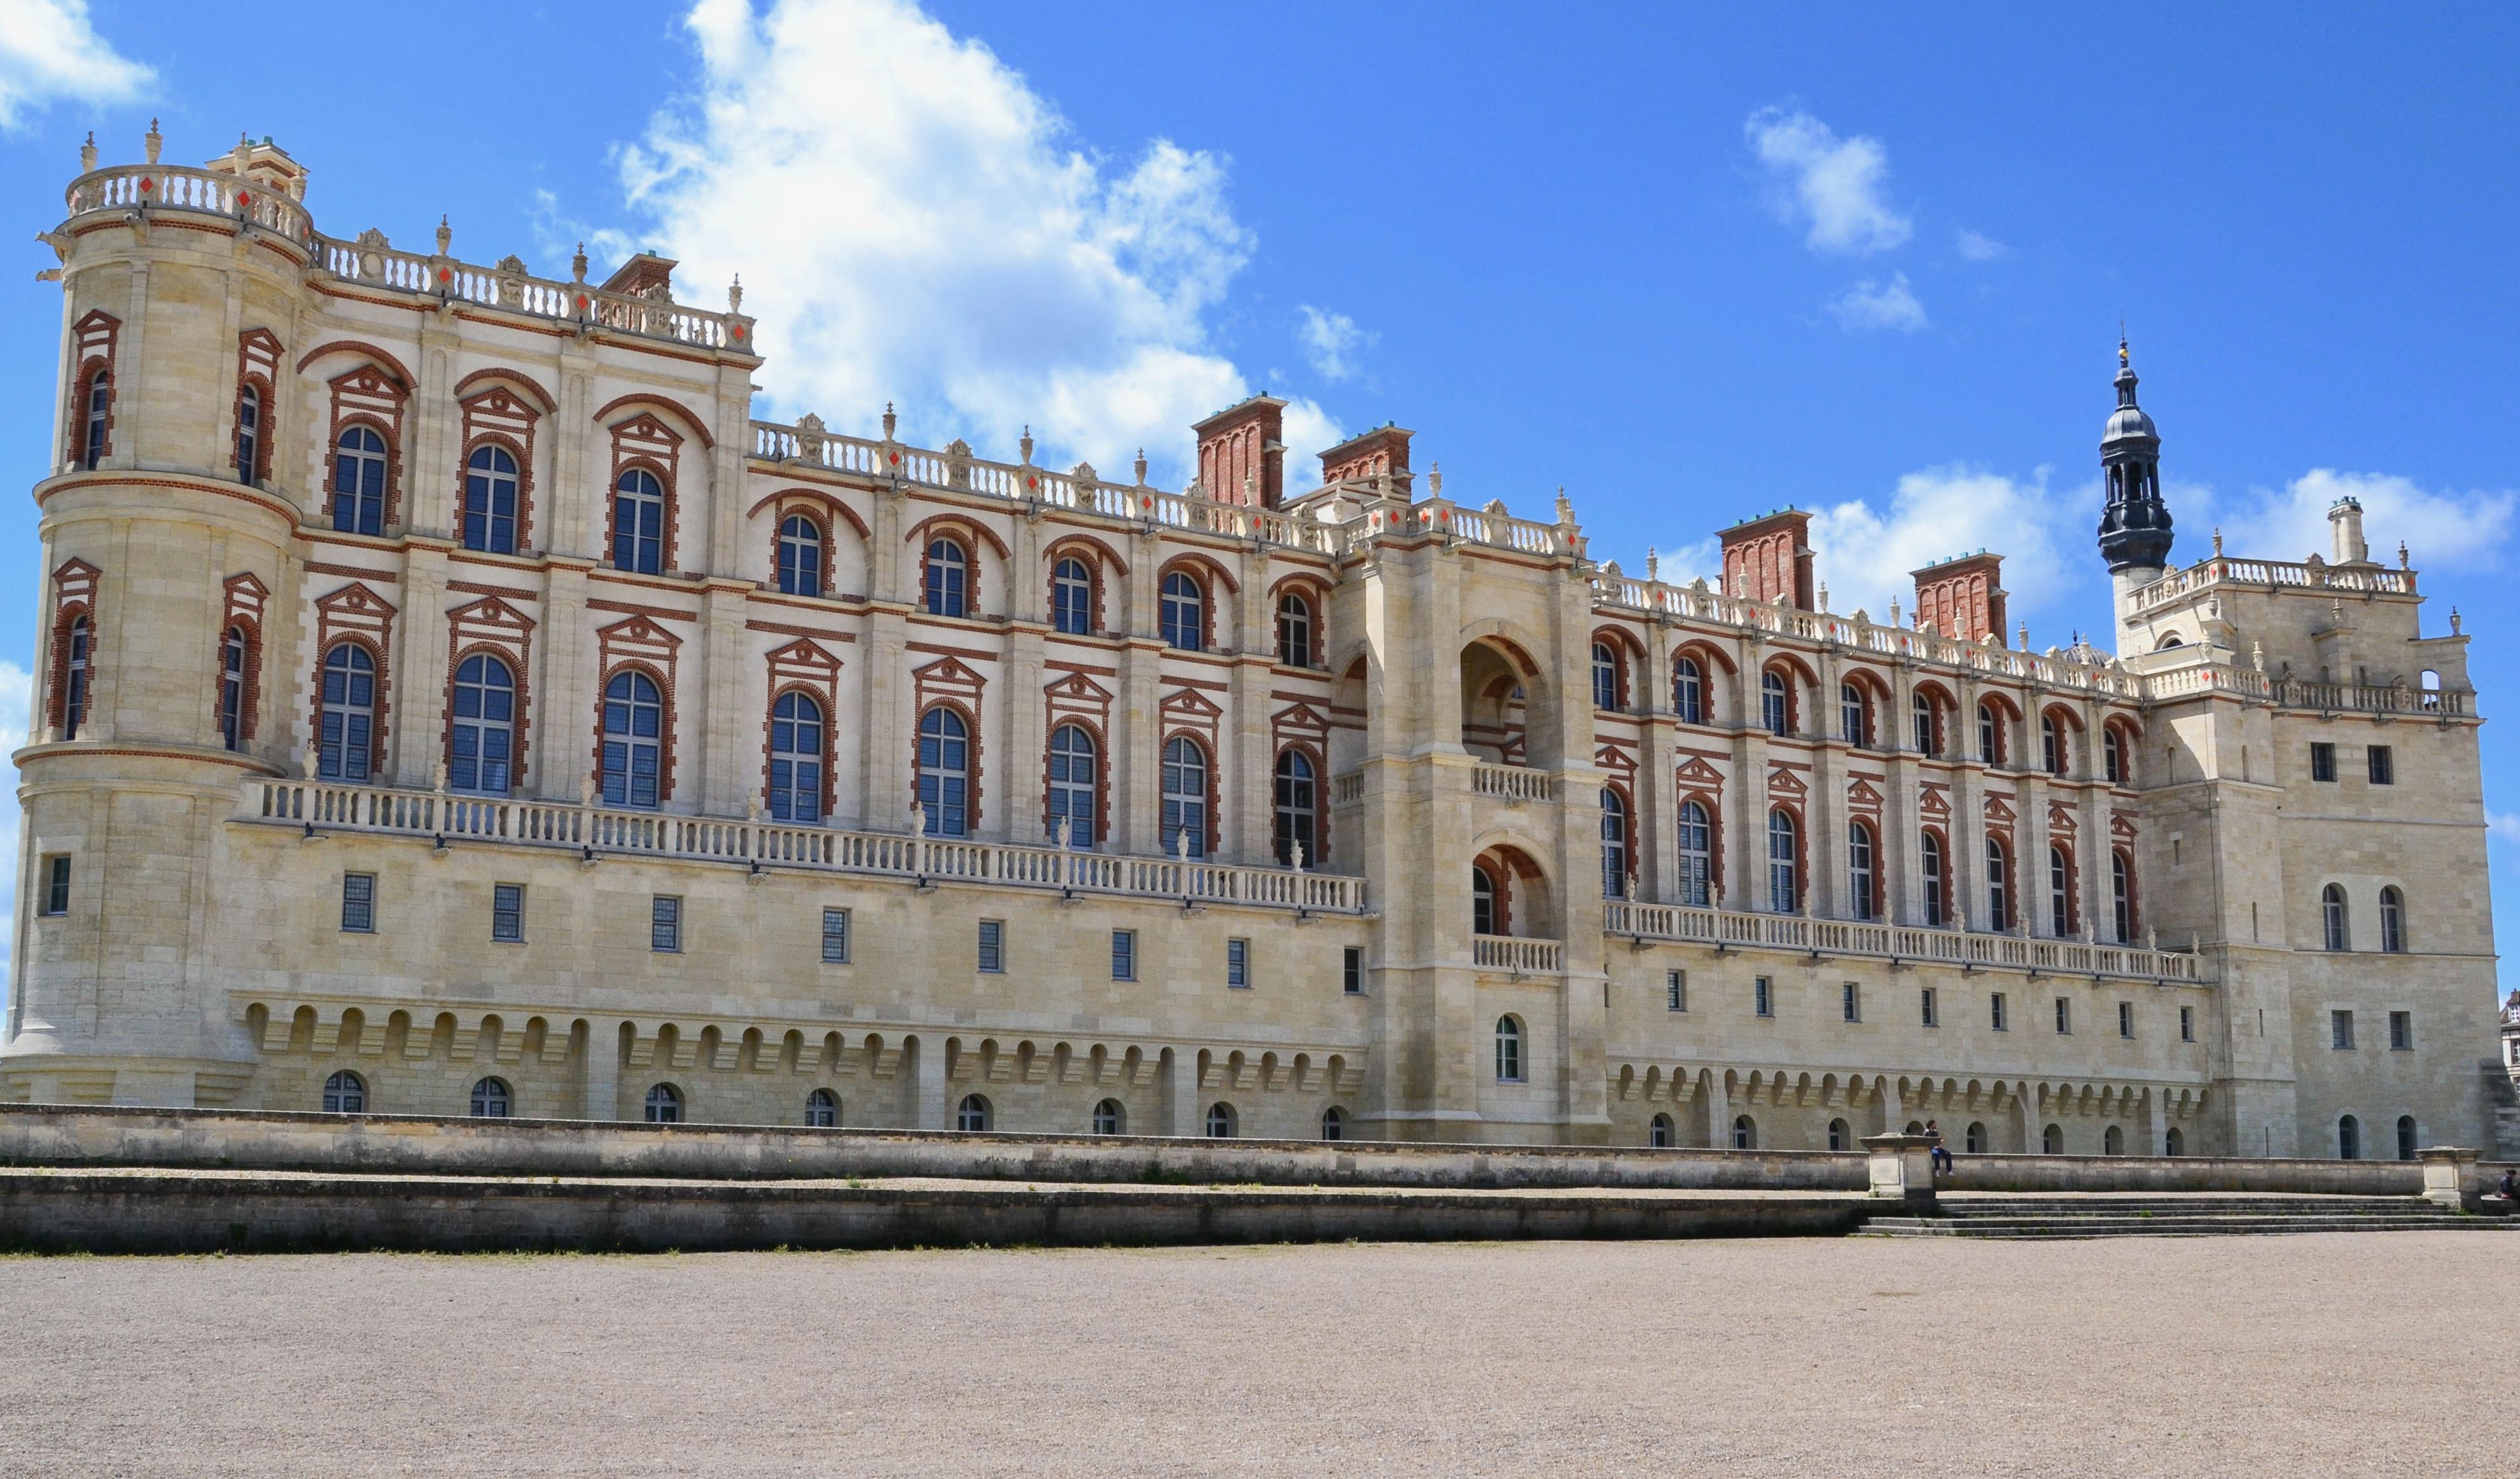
{"points": [[586, 789], [1823, 591], [2453, 621], [889, 420], [1434, 479], [1654, 565], [307, 761], [445, 234], [577, 263], [2218, 541], [437, 777], [1059, 835], [1565, 508], [87, 153], [1295, 850], [2258, 655], [1142, 467], [1894, 612], [1181, 845], [155, 140], [2025, 636], [734, 295], [2401, 556], [918, 817], [1027, 444], [753, 809]]}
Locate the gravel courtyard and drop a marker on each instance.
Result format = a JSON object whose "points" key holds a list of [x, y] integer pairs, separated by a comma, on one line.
{"points": [[2323, 1354]]}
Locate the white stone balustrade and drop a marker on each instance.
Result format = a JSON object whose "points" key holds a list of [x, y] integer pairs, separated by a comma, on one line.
{"points": [[1893, 941]]}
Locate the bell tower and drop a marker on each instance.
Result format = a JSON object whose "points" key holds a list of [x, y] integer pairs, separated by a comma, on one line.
{"points": [[2134, 528]]}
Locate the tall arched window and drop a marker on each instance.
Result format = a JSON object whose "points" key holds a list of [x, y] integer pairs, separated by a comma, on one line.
{"points": [[1990, 733], [1614, 845], [1862, 877], [100, 405], [491, 1098], [248, 436], [1920, 713], [233, 651], [2392, 920], [639, 522], [945, 773], [1333, 1123], [1785, 881], [1841, 1135], [664, 1105], [1108, 1116], [346, 737], [1605, 677], [1220, 1121], [1929, 857], [1483, 903], [2331, 918], [822, 1109], [1660, 1132], [1746, 1133], [2061, 894], [2113, 755], [490, 500], [1975, 1138], [1183, 612], [2113, 1141], [1850, 713], [801, 556], [2407, 1134], [345, 1092], [971, 1116], [634, 730], [2122, 896], [2174, 1141], [481, 742], [1696, 857], [947, 579], [1689, 691], [1184, 798], [2052, 1140], [1071, 598], [2051, 745], [1075, 776], [1508, 1050], [1776, 715], [74, 675], [1999, 885], [359, 482], [1298, 810], [1294, 630], [2349, 1138], [796, 760]]}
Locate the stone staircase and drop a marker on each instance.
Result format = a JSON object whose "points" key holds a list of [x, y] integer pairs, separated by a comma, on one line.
{"points": [[2174, 1216]]}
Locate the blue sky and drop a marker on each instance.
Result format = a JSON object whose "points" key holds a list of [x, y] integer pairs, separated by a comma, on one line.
{"points": [[1688, 263]]}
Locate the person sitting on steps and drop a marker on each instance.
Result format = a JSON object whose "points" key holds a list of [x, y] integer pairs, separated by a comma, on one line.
{"points": [[1942, 1157]]}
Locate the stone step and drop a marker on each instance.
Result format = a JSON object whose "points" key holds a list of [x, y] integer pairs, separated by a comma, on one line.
{"points": [[2188, 1224]]}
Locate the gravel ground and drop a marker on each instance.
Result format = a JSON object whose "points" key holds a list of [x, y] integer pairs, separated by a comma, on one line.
{"points": [[2307, 1355]]}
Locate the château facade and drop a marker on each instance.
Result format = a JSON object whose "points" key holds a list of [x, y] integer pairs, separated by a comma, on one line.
{"points": [[451, 700]]}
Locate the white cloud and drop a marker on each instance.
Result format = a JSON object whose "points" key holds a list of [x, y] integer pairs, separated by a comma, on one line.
{"points": [[2503, 827], [915, 224], [1837, 185], [1871, 305], [1867, 554], [49, 50], [2443, 530], [1331, 341], [17, 695], [1979, 248]]}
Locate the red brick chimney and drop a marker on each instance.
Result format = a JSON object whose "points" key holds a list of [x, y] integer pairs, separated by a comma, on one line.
{"points": [[1962, 597], [1384, 449], [1769, 557], [1242, 454]]}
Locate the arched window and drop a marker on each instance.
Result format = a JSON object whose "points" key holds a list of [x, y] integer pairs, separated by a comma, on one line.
{"points": [[973, 1115], [1184, 799], [1689, 691], [1333, 1123], [2113, 1141], [1746, 1133], [1220, 1121], [801, 556], [944, 773], [2392, 920], [2061, 894], [2174, 1141], [1298, 811], [1508, 1050], [1916, 1127], [75, 676], [1929, 857], [1483, 902], [1696, 857], [2428, 685], [947, 579], [1075, 785], [1990, 733], [1071, 598], [1776, 715], [1862, 878], [2331, 918], [248, 436], [2052, 744], [490, 500], [1109, 1117], [664, 1105], [359, 482], [345, 724], [2113, 755], [100, 403], [482, 742], [1785, 883], [2051, 1141], [2406, 1137], [1850, 713], [1294, 630], [1605, 677], [634, 729], [2122, 896], [1975, 1140], [2168, 642], [796, 760], [1181, 612], [1841, 1136], [822, 1110], [1922, 713], [1614, 845], [1999, 885], [345, 1092], [639, 522], [233, 650], [491, 1098], [2348, 1138]]}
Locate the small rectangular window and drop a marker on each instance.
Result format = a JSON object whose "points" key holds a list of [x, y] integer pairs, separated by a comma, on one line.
{"points": [[665, 924], [1352, 972], [2384, 769], [359, 903], [508, 912], [1851, 1000], [1996, 1003], [1925, 1007], [2322, 760], [1675, 990], [57, 885], [993, 945], [835, 937], [2064, 1015], [1763, 997], [2340, 1030], [1237, 964], [2126, 1020], [2187, 1025], [2402, 1032], [1124, 955]]}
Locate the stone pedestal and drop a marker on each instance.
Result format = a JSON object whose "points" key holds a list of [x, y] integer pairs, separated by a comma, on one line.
{"points": [[1902, 1169], [2449, 1176]]}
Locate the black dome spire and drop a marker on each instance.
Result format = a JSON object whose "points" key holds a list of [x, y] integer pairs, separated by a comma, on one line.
{"points": [[2134, 528]]}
